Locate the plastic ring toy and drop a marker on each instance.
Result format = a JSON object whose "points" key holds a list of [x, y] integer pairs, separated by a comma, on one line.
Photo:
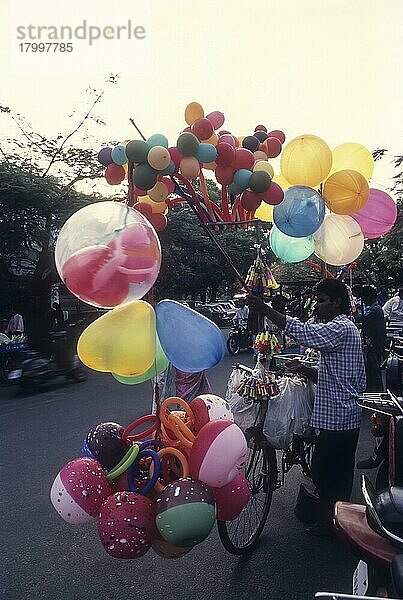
{"points": [[182, 431], [155, 473], [179, 456], [164, 410], [124, 463], [139, 436], [150, 443]]}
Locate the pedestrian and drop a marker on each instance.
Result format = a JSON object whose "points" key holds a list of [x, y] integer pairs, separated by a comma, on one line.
{"points": [[393, 308], [57, 318], [174, 382], [336, 416], [374, 336], [16, 323], [241, 316]]}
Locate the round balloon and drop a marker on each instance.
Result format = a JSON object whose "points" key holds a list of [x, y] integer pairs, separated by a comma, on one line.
{"points": [[232, 498], [201, 344], [345, 192], [193, 111], [290, 249], [301, 213], [106, 444], [353, 156], [306, 160], [108, 253], [339, 241], [378, 215]]}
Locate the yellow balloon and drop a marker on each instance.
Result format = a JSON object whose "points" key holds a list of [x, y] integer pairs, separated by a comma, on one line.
{"points": [[157, 207], [123, 341], [262, 165], [193, 111], [339, 240], [282, 182], [345, 192], [306, 160], [353, 156], [265, 212], [159, 192]]}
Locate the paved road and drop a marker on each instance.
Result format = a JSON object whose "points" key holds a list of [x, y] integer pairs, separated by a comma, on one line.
{"points": [[44, 557]]}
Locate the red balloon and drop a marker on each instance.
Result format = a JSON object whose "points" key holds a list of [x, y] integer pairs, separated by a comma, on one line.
{"points": [[244, 159], [277, 133], [168, 182], [223, 132], [228, 139], [225, 154], [139, 192], [232, 498], [176, 156], [261, 128], [114, 174], [272, 147], [203, 129], [144, 208], [158, 221], [250, 201], [92, 275], [224, 175], [274, 195]]}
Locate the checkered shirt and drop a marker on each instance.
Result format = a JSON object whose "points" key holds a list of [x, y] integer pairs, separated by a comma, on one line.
{"points": [[341, 375]]}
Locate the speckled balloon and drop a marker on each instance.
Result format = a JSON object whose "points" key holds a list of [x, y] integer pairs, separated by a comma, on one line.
{"points": [[162, 548], [126, 525], [232, 498], [105, 442], [79, 490], [185, 512], [208, 407]]}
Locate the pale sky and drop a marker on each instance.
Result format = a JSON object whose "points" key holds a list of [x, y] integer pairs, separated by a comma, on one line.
{"points": [[330, 68]]}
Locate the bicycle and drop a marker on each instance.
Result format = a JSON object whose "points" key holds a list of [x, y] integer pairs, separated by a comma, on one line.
{"points": [[264, 477]]}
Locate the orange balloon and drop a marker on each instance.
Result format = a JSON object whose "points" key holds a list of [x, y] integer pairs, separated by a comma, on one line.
{"points": [[159, 192], [213, 139], [210, 166], [193, 111], [346, 192]]}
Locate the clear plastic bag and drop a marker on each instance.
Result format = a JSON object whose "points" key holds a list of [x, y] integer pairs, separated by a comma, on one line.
{"points": [[244, 411]]}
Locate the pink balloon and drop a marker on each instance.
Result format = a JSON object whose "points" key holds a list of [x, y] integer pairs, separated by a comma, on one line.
{"points": [[378, 215], [168, 182], [216, 118], [176, 156], [225, 154], [228, 139], [232, 498]]}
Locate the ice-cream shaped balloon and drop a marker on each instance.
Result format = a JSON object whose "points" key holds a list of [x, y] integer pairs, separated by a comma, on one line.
{"points": [[208, 407], [79, 490], [232, 498], [166, 550], [106, 444], [218, 453], [126, 525], [185, 512]]}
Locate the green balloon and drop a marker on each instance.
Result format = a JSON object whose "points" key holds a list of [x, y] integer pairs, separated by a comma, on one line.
{"points": [[137, 150], [187, 524], [187, 144], [159, 366], [157, 139], [259, 182], [290, 249], [144, 177]]}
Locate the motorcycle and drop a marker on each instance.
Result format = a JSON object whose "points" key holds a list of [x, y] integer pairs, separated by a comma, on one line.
{"points": [[37, 368], [238, 338], [375, 532]]}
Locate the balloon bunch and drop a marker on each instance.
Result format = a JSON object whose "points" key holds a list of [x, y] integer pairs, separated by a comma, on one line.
{"points": [[161, 488], [333, 221], [109, 255]]}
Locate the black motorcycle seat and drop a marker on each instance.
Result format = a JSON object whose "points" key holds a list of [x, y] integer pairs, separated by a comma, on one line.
{"points": [[389, 508]]}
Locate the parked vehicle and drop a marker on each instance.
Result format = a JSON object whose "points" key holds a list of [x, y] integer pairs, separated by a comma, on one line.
{"points": [[215, 314], [374, 531], [227, 306], [35, 368], [239, 338]]}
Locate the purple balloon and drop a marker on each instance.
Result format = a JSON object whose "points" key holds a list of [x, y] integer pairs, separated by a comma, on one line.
{"points": [[105, 156], [378, 215]]}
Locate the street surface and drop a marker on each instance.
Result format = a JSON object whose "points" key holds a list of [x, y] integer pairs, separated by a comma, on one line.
{"points": [[45, 558]]}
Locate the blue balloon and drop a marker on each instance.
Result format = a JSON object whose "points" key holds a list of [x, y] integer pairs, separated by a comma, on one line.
{"points": [[206, 153], [170, 170], [242, 178], [191, 342], [290, 249], [157, 140], [118, 155], [301, 213]]}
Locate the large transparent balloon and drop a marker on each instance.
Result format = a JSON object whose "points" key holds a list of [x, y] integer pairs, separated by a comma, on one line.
{"points": [[301, 213], [108, 254], [378, 215], [339, 241], [290, 249], [306, 160]]}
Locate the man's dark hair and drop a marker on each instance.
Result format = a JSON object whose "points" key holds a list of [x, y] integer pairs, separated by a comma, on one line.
{"points": [[334, 288], [368, 291], [279, 302]]}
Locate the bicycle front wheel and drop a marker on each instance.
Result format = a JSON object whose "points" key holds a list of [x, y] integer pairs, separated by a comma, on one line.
{"points": [[240, 535]]}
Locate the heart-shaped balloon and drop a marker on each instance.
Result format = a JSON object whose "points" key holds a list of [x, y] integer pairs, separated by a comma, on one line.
{"points": [[191, 342], [159, 366], [123, 341]]}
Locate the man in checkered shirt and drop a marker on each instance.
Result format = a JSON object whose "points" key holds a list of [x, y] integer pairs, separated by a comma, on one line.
{"points": [[336, 415]]}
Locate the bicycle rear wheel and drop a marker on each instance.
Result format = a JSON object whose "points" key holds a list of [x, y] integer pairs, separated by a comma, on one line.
{"points": [[239, 536]]}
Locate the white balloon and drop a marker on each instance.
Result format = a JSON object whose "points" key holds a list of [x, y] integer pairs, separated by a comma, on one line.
{"points": [[339, 240]]}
